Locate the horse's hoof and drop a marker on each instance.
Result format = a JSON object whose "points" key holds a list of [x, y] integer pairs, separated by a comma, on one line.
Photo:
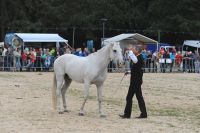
{"points": [[81, 114], [103, 116], [60, 112]]}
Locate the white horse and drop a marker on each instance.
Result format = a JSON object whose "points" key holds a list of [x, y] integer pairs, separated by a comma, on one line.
{"points": [[87, 70]]}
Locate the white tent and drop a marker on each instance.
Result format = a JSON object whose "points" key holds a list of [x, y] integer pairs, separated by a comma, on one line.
{"points": [[192, 43], [125, 38], [1, 44], [37, 37]]}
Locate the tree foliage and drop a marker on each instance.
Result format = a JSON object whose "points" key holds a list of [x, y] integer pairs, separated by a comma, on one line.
{"points": [[42, 15]]}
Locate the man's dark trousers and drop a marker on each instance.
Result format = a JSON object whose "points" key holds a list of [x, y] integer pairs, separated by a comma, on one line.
{"points": [[135, 88]]}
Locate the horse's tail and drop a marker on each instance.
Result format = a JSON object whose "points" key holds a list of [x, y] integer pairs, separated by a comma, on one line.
{"points": [[54, 92]]}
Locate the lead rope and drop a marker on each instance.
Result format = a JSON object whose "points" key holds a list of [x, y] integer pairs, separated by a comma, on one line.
{"points": [[120, 86]]}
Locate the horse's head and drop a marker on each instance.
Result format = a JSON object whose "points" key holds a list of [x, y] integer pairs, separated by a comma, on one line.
{"points": [[116, 54]]}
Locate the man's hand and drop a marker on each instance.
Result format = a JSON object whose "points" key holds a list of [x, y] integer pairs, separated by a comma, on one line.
{"points": [[126, 73]]}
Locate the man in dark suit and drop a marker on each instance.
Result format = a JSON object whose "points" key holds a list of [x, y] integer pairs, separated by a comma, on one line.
{"points": [[135, 83]]}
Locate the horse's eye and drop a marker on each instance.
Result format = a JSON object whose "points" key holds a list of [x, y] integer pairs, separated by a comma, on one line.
{"points": [[114, 51]]}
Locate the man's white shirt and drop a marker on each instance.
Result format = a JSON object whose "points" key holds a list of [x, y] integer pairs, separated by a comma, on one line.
{"points": [[132, 56]]}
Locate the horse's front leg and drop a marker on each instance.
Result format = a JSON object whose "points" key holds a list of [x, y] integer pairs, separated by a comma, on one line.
{"points": [[100, 99], [85, 95]]}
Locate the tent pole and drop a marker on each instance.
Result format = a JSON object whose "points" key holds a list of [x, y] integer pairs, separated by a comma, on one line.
{"points": [[73, 37], [69, 46], [159, 36], [182, 49], [157, 46], [23, 46]]}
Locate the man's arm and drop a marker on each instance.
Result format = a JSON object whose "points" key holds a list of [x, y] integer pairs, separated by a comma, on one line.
{"points": [[132, 56]]}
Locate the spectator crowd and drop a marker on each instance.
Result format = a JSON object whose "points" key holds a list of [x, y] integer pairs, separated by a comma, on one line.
{"points": [[34, 59], [41, 59], [168, 60]]}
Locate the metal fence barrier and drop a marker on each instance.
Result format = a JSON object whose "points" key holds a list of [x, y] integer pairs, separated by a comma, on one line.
{"points": [[188, 65], [12, 63]]}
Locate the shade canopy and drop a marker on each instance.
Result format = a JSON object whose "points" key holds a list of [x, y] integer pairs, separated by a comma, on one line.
{"points": [[134, 36], [35, 37], [192, 43]]}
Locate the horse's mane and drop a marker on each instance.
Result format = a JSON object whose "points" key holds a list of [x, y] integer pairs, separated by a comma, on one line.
{"points": [[99, 51]]}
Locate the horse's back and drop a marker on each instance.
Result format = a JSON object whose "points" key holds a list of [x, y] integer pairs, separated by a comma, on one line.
{"points": [[80, 69], [71, 65]]}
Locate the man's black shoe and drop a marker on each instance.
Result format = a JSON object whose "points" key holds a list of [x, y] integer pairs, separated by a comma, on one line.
{"points": [[124, 117], [142, 117]]}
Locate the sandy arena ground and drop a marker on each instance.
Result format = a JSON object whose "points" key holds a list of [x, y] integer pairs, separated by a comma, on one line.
{"points": [[172, 100]]}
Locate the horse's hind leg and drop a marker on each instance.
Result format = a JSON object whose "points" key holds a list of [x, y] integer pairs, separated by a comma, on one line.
{"points": [[60, 79], [64, 89]]}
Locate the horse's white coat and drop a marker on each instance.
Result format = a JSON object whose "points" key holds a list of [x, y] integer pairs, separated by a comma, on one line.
{"points": [[88, 70]]}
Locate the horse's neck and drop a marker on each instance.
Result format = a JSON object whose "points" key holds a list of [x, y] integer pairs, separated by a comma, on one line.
{"points": [[103, 57]]}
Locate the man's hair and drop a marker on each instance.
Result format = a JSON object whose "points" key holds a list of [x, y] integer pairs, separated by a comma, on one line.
{"points": [[138, 48], [130, 46]]}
